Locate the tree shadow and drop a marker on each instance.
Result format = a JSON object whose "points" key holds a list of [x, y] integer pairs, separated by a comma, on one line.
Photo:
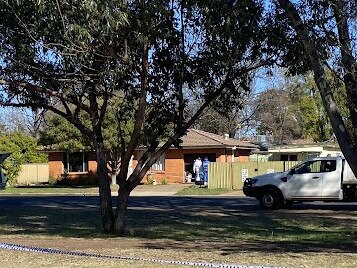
{"points": [[55, 186], [229, 225], [56, 215], [232, 227]]}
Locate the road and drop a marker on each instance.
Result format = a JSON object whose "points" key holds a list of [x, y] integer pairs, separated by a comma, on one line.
{"points": [[170, 202]]}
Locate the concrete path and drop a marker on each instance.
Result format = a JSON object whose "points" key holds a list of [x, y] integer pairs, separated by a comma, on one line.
{"points": [[157, 190], [169, 190]]}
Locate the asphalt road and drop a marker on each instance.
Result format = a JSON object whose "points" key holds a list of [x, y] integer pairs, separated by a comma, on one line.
{"points": [[224, 203]]}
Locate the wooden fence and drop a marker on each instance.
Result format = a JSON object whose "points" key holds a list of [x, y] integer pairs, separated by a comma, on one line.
{"points": [[232, 175], [33, 173]]}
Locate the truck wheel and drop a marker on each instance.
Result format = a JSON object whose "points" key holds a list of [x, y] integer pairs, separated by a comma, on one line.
{"points": [[270, 199]]}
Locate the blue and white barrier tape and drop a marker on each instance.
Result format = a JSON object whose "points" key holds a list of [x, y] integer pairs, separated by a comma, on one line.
{"points": [[94, 255]]}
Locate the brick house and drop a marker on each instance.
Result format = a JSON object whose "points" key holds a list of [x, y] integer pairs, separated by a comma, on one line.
{"points": [[73, 164], [173, 165]]}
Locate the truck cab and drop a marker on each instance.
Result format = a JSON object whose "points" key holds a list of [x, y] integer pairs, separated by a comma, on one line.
{"points": [[321, 178]]}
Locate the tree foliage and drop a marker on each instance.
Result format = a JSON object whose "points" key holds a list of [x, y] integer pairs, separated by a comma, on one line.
{"points": [[23, 149], [325, 32], [275, 116], [74, 58], [59, 134], [233, 117]]}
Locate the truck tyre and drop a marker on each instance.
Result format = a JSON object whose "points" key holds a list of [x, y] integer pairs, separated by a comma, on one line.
{"points": [[270, 199]]}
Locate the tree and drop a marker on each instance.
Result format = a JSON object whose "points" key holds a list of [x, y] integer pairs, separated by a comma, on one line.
{"points": [[58, 133], [308, 107], [323, 29], [234, 117], [23, 120], [23, 149], [73, 58], [275, 115]]}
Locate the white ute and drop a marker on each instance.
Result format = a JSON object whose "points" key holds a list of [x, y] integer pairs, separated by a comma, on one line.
{"points": [[316, 179]]}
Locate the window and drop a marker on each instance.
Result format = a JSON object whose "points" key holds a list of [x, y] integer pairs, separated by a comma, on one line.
{"points": [[293, 157], [75, 162], [159, 164], [308, 167], [284, 157], [288, 157], [328, 166], [316, 167]]}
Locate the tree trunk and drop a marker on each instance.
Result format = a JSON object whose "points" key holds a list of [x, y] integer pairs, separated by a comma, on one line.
{"points": [[104, 189], [348, 63], [343, 137], [121, 210]]}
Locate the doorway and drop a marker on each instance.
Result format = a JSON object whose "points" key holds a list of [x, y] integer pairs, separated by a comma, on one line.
{"points": [[190, 158]]}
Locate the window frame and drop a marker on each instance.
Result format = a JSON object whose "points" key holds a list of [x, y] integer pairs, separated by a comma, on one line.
{"points": [[84, 164], [159, 165], [161, 161], [322, 166]]}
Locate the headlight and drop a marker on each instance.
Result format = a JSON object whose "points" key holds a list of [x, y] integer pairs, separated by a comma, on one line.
{"points": [[254, 181]]}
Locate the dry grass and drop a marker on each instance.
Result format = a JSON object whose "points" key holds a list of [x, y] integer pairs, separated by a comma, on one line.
{"points": [[196, 190], [48, 189], [160, 229], [143, 248]]}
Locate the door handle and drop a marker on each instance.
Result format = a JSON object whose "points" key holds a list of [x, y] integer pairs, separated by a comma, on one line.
{"points": [[316, 177]]}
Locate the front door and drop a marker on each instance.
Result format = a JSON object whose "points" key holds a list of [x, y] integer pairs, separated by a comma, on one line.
{"points": [[306, 180]]}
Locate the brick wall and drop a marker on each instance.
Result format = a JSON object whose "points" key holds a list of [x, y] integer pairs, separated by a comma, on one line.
{"points": [[55, 164], [242, 155], [92, 162], [56, 169], [174, 163]]}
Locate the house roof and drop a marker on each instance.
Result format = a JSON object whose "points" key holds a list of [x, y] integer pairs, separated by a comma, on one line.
{"points": [[198, 138], [194, 139], [305, 148]]}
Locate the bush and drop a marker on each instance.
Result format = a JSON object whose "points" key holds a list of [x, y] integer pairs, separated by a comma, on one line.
{"points": [[164, 181], [23, 150], [52, 180], [150, 180], [89, 179]]}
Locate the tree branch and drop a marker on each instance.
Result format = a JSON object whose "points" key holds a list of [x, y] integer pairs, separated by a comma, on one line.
{"points": [[48, 92], [219, 91], [75, 121]]}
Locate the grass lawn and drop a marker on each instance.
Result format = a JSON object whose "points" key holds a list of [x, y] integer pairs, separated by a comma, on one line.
{"points": [[197, 190], [57, 189], [290, 238], [52, 189]]}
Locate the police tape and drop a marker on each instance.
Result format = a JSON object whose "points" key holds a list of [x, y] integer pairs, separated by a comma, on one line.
{"points": [[95, 255]]}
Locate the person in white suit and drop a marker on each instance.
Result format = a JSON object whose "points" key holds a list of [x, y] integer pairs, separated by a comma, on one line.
{"points": [[197, 168]]}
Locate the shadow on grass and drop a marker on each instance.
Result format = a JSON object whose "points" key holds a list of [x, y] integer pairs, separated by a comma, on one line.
{"points": [[60, 219], [190, 223], [56, 186]]}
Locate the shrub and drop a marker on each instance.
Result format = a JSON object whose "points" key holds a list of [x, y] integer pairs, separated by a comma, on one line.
{"points": [[22, 149], [52, 180], [150, 180], [164, 181], [89, 179]]}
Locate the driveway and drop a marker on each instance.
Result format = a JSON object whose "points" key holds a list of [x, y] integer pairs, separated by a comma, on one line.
{"points": [[156, 190]]}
